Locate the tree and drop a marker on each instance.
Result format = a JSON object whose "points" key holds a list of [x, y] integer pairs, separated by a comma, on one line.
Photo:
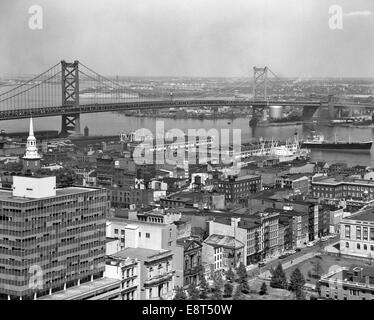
{"points": [[204, 288], [278, 278], [238, 294], [217, 286], [242, 272], [193, 292], [180, 294], [217, 294], [230, 275], [65, 177], [228, 289], [318, 288], [263, 289], [300, 295], [297, 280], [244, 287], [217, 281]]}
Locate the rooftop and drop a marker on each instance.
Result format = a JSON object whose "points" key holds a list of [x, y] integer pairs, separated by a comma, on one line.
{"points": [[185, 242], [84, 289], [340, 180], [141, 253], [7, 194], [218, 240], [295, 176], [367, 215], [242, 178], [246, 222]]}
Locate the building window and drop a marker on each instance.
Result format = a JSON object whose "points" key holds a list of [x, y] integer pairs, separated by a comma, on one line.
{"points": [[347, 244], [147, 235], [358, 233], [140, 234], [348, 232], [372, 234], [365, 236], [365, 247], [123, 232], [358, 246], [115, 231]]}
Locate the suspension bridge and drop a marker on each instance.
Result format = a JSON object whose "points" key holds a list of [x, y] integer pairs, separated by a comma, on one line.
{"points": [[69, 89]]}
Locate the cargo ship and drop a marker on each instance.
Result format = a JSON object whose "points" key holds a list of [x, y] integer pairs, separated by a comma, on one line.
{"points": [[317, 141]]}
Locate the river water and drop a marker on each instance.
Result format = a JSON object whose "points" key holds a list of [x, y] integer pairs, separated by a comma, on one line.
{"points": [[113, 123]]}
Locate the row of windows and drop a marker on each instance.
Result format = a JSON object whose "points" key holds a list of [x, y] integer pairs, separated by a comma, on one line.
{"points": [[358, 246], [361, 233]]}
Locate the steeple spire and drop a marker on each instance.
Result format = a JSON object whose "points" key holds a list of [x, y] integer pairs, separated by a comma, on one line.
{"points": [[31, 130], [31, 148]]}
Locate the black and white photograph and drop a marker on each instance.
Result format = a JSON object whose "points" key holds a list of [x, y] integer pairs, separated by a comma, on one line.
{"points": [[199, 150]]}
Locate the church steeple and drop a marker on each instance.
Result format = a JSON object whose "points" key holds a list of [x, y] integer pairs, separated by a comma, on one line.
{"points": [[31, 148], [31, 159]]}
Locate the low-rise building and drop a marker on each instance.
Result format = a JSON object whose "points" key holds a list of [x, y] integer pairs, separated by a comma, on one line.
{"points": [[356, 283], [191, 264], [125, 197], [297, 182], [127, 271], [156, 274], [222, 252], [357, 235], [258, 233], [337, 188], [238, 188]]}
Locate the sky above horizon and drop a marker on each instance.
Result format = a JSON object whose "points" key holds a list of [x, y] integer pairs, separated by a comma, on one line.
{"points": [[206, 38]]}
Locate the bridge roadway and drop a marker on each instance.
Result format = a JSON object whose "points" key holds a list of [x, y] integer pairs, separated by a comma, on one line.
{"points": [[160, 104]]}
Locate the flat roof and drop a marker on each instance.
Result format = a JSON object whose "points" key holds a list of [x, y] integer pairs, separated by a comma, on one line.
{"points": [[140, 253], [83, 289], [341, 180], [363, 216], [7, 194]]}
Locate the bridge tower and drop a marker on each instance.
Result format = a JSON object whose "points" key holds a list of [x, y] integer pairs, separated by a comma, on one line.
{"points": [[260, 79], [70, 97]]}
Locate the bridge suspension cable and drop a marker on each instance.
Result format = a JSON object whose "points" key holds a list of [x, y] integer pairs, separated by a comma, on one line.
{"points": [[41, 91], [30, 81]]}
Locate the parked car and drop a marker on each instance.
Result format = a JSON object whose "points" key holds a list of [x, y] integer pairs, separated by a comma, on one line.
{"points": [[290, 252], [310, 244], [298, 249]]}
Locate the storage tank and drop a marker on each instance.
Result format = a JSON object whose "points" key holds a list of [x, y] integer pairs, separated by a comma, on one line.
{"points": [[276, 112]]}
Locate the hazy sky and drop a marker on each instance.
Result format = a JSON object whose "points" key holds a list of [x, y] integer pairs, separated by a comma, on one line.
{"points": [[190, 37]]}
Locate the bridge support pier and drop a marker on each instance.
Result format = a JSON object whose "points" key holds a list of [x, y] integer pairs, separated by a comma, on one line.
{"points": [[258, 114], [70, 125], [309, 112], [331, 107], [339, 112]]}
